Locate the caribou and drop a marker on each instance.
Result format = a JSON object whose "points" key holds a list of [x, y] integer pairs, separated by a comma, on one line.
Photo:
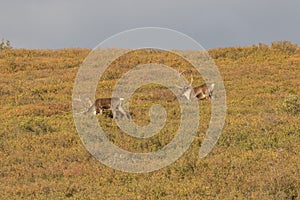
{"points": [[114, 104], [202, 92]]}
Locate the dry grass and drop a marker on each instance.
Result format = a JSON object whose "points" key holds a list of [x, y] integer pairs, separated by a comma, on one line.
{"points": [[257, 156]]}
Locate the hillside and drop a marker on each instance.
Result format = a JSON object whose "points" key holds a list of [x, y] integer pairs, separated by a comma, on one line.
{"points": [[257, 155]]}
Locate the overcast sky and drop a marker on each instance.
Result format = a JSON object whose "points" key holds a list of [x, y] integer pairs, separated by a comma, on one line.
{"points": [[212, 23]]}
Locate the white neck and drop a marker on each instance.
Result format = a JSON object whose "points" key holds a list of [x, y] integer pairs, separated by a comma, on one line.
{"points": [[187, 94]]}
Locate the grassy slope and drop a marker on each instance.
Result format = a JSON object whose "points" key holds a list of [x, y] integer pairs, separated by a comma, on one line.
{"points": [[257, 156]]}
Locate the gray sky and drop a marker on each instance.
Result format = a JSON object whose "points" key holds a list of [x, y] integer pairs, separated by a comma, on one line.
{"points": [[212, 23]]}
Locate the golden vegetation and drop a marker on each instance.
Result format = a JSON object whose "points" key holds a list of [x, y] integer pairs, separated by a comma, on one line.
{"points": [[257, 155]]}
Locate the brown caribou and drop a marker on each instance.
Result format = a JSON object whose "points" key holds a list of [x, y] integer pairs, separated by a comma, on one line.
{"points": [[114, 104], [202, 92]]}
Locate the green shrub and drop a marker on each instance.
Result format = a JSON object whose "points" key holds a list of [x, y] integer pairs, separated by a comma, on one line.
{"points": [[36, 125], [291, 104], [5, 44]]}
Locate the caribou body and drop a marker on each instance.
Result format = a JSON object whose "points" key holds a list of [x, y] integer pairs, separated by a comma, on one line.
{"points": [[201, 92], [114, 104]]}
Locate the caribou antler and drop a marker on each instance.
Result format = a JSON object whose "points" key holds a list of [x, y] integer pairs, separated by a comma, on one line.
{"points": [[179, 87], [185, 71]]}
